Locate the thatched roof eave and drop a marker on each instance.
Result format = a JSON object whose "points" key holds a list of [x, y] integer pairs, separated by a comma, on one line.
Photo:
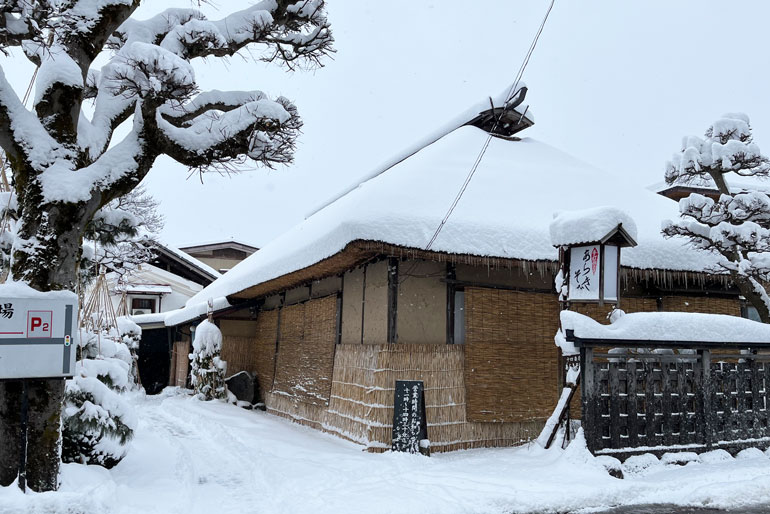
{"points": [[358, 252]]}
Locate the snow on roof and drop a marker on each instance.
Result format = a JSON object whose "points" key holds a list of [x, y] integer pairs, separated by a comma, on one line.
{"points": [[148, 289], [589, 225], [505, 212], [735, 183], [219, 243], [194, 309], [190, 260], [670, 326], [12, 289], [148, 319]]}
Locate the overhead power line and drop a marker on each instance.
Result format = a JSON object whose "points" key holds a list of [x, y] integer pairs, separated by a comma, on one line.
{"points": [[511, 92]]}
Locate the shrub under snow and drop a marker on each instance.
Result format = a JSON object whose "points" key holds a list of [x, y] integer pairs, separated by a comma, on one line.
{"points": [[207, 368], [97, 423]]}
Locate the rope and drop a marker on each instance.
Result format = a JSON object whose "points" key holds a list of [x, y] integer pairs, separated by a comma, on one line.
{"points": [[485, 146]]}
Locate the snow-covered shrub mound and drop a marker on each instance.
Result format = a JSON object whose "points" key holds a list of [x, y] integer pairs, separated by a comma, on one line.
{"points": [[131, 335], [130, 332], [97, 423], [207, 368]]}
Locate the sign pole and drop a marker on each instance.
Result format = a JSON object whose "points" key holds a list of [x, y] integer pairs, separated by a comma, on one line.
{"points": [[23, 437]]}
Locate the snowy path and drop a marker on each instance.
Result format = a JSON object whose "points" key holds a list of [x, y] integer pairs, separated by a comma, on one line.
{"points": [[193, 457]]}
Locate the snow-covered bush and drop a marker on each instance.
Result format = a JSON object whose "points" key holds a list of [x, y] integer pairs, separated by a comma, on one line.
{"points": [[207, 369], [97, 423], [131, 335]]}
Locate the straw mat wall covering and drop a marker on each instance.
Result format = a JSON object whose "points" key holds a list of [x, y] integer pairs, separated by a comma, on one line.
{"points": [[264, 350], [511, 371], [306, 351], [361, 404], [238, 352]]}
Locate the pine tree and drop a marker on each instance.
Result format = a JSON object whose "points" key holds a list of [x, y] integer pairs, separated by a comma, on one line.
{"points": [[207, 369], [65, 164], [97, 423], [736, 226]]}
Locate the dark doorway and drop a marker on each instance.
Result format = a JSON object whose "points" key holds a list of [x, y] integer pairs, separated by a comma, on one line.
{"points": [[154, 360]]}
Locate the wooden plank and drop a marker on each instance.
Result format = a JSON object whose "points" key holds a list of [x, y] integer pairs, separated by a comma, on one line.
{"points": [[725, 386], [681, 404], [756, 414], [698, 389], [649, 399], [666, 401], [613, 381], [632, 405], [708, 399], [741, 416], [588, 397], [766, 397]]}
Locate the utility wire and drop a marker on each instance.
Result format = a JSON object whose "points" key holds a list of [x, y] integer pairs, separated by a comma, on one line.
{"points": [[485, 146]]}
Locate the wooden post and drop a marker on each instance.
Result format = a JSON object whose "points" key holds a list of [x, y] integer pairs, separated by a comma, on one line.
{"points": [[613, 383], [632, 404], [392, 300], [706, 386], [666, 407], [588, 398]]}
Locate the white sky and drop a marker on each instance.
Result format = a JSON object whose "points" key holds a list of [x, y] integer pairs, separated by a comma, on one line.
{"points": [[616, 84]]}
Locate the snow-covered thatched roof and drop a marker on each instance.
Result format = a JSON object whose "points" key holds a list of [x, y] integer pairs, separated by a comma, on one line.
{"points": [[505, 212]]}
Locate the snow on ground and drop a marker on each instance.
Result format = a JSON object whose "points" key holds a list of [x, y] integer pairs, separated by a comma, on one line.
{"points": [[194, 457]]}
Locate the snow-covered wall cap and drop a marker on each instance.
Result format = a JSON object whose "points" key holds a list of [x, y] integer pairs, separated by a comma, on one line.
{"points": [[590, 225], [669, 326], [22, 290]]}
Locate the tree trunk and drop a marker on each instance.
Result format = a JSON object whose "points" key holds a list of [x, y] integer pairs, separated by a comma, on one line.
{"points": [[10, 426], [752, 296], [48, 265], [44, 433]]}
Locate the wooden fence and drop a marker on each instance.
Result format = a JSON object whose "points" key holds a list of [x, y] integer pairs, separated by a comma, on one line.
{"points": [[682, 399]]}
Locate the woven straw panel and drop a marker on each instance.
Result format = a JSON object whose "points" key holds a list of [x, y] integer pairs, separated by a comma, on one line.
{"points": [[289, 348], [511, 361], [238, 352], [306, 351], [264, 350], [707, 304], [317, 358]]}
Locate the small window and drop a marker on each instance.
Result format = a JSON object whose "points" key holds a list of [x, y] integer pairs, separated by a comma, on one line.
{"points": [[143, 305], [459, 317], [750, 312]]}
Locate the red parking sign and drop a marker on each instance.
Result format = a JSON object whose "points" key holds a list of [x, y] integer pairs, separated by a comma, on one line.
{"points": [[39, 323]]}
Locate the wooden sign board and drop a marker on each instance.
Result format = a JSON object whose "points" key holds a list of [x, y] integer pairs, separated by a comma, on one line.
{"points": [[410, 426], [37, 338], [593, 273]]}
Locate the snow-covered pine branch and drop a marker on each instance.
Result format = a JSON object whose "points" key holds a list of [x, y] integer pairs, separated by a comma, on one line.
{"points": [[65, 164], [736, 225]]}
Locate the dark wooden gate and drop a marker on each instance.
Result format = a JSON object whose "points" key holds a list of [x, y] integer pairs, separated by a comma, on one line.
{"points": [[673, 399]]}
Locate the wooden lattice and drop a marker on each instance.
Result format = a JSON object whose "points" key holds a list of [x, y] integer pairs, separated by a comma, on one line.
{"points": [[662, 401]]}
